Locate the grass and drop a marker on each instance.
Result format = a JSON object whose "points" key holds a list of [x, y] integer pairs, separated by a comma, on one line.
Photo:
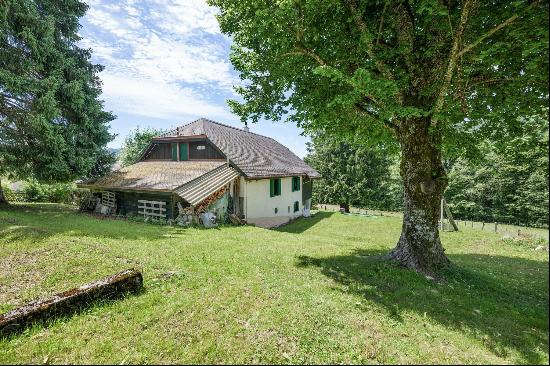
{"points": [[310, 292]]}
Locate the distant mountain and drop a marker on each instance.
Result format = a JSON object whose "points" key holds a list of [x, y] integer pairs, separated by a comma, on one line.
{"points": [[114, 151]]}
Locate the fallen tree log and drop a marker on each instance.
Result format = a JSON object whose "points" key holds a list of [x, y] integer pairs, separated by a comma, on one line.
{"points": [[109, 288]]}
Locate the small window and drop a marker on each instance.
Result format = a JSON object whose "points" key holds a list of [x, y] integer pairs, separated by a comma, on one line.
{"points": [[274, 187], [201, 147], [295, 184], [296, 206]]}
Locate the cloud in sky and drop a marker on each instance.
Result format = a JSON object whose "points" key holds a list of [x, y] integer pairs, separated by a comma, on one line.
{"points": [[165, 61]]}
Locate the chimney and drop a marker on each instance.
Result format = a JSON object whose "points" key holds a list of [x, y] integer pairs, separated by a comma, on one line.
{"points": [[246, 127], [178, 131]]}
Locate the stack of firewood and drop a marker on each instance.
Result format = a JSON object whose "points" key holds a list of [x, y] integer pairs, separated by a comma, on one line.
{"points": [[201, 207]]}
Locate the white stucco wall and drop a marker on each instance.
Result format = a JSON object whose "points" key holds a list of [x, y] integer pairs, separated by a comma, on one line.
{"points": [[258, 203]]}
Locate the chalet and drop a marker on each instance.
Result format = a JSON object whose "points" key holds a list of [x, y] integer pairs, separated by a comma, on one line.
{"points": [[205, 166]]}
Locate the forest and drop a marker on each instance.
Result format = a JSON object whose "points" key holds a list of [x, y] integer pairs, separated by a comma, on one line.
{"points": [[505, 182]]}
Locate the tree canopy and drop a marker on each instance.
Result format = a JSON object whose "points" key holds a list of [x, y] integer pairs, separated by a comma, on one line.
{"points": [[361, 68], [53, 126], [135, 143]]}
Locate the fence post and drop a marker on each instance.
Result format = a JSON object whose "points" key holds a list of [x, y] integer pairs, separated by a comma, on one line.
{"points": [[496, 227], [483, 226]]}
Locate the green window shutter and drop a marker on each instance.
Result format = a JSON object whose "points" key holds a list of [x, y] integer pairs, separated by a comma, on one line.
{"points": [[278, 187], [296, 206], [295, 184], [271, 187], [174, 151], [183, 151]]}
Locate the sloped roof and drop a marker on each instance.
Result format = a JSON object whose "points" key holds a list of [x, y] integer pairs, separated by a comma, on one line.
{"points": [[198, 189], [255, 155], [154, 175]]}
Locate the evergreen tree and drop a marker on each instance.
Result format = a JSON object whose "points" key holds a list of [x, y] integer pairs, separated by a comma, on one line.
{"points": [[510, 183], [353, 174], [52, 123]]}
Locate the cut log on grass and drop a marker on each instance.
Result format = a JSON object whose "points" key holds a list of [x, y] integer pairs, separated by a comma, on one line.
{"points": [[109, 288]]}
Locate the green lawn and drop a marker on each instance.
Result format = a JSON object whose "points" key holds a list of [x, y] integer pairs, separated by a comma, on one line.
{"points": [[311, 292]]}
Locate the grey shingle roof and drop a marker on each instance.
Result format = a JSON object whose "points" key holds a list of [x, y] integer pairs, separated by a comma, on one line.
{"points": [[255, 155], [154, 175]]}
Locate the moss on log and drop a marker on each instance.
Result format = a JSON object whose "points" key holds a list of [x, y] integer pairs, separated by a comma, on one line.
{"points": [[108, 288]]}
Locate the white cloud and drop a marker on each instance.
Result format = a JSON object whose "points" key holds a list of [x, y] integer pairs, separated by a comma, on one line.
{"points": [[156, 99], [159, 57]]}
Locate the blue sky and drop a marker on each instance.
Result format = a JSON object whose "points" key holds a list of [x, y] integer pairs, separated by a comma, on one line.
{"points": [[166, 64]]}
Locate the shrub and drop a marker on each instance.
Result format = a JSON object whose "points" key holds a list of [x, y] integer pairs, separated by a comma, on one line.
{"points": [[57, 192]]}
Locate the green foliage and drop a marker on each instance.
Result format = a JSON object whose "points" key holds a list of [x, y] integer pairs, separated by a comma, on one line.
{"points": [[510, 183], [34, 191], [135, 143], [352, 173], [366, 68], [52, 123]]}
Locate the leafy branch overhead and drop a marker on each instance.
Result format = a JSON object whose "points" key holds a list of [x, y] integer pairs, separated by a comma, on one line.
{"points": [[377, 64]]}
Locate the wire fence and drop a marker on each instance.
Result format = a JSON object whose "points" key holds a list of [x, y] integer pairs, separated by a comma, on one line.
{"points": [[512, 231], [506, 230]]}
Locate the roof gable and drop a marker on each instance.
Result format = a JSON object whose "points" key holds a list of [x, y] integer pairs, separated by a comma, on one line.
{"points": [[255, 155]]}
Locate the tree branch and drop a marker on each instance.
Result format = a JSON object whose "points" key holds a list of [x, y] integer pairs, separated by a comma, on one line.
{"points": [[381, 22], [453, 57], [493, 31], [310, 53], [370, 46], [388, 124]]}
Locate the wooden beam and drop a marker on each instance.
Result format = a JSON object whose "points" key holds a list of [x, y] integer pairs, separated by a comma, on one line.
{"points": [[449, 215]]}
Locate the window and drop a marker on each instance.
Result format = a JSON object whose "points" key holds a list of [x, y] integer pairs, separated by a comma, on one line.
{"points": [[274, 187], [295, 184], [296, 206]]}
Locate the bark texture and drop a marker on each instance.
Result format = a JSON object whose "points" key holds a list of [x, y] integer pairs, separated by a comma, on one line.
{"points": [[424, 180], [344, 206], [109, 288], [3, 199]]}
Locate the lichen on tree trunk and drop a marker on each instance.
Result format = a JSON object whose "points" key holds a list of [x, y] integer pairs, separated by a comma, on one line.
{"points": [[424, 181]]}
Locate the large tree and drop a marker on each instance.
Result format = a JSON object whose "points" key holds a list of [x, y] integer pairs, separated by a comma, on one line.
{"points": [[432, 75], [52, 124]]}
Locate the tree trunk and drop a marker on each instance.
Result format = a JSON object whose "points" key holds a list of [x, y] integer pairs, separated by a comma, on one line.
{"points": [[424, 180], [344, 206], [3, 199]]}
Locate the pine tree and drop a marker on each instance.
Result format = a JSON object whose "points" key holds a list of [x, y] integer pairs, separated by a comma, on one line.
{"points": [[52, 124]]}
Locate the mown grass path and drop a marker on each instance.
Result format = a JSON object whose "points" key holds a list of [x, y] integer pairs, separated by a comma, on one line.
{"points": [[310, 292]]}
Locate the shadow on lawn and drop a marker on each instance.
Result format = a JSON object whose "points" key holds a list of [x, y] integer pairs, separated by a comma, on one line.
{"points": [[501, 300], [302, 224], [50, 219]]}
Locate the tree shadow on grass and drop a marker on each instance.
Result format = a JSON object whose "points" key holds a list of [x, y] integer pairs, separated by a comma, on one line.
{"points": [[501, 300], [304, 223], [39, 221]]}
